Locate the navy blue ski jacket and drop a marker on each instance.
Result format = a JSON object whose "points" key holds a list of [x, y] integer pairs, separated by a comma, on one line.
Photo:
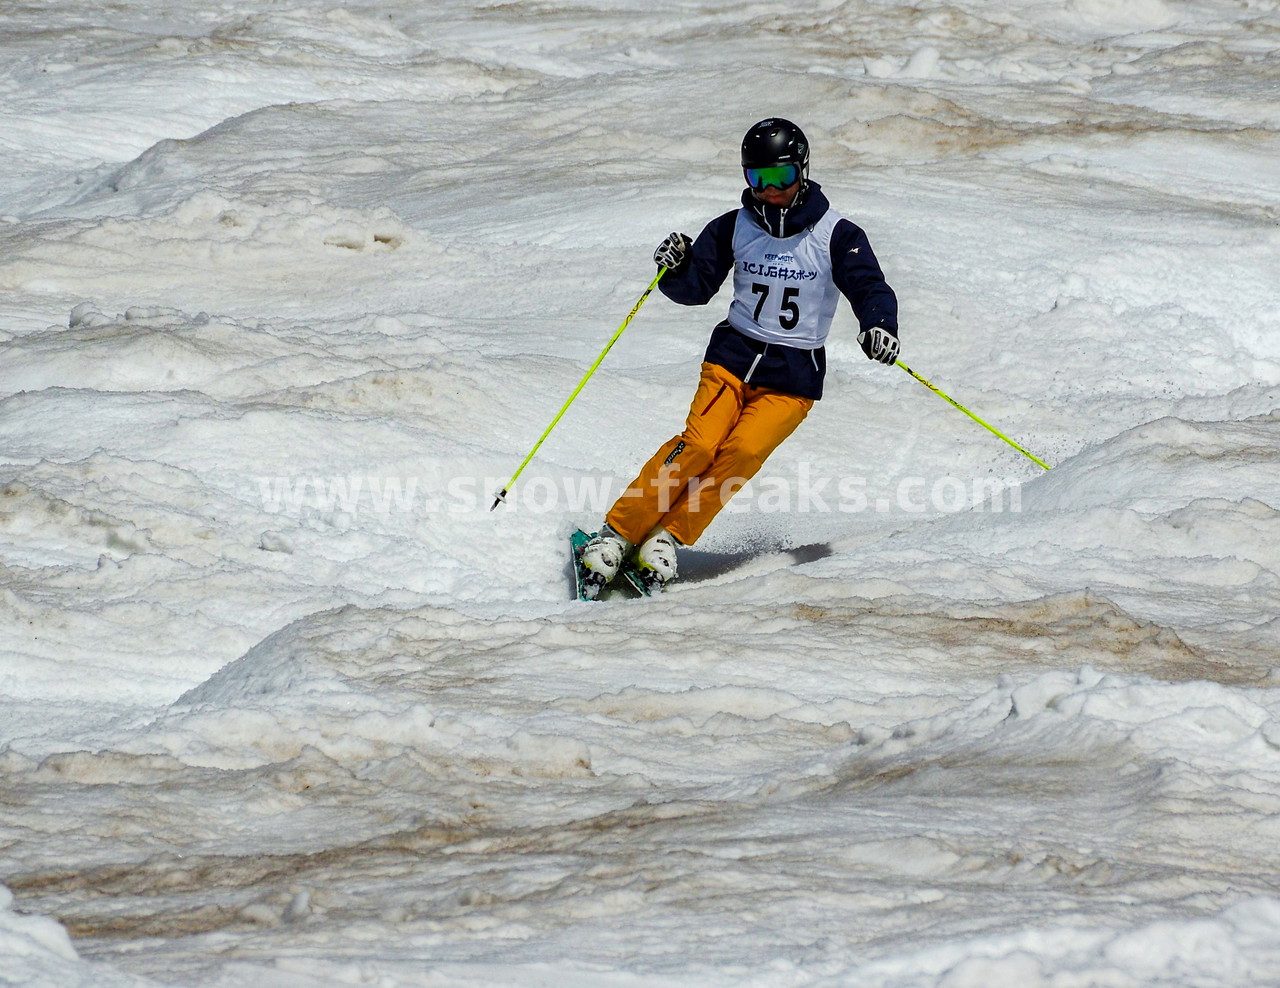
{"points": [[855, 271]]}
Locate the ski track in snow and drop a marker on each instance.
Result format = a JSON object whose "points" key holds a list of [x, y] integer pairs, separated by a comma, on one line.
{"points": [[289, 291]]}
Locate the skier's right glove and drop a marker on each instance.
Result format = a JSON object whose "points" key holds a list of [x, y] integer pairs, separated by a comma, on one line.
{"points": [[673, 253]]}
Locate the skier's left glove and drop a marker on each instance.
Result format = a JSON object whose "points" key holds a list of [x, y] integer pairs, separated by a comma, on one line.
{"points": [[673, 253], [879, 344]]}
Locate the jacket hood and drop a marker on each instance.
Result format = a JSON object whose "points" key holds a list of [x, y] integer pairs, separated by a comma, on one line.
{"points": [[809, 207]]}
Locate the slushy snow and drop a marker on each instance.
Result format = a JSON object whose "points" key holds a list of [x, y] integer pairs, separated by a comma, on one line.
{"points": [[289, 291]]}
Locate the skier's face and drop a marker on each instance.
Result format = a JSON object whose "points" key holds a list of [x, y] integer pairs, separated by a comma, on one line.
{"points": [[773, 196]]}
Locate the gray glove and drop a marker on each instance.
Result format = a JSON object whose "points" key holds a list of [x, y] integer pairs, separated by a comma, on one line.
{"points": [[879, 344], [673, 253]]}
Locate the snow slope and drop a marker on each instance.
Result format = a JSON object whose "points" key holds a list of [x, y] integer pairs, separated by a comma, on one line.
{"points": [[288, 291]]}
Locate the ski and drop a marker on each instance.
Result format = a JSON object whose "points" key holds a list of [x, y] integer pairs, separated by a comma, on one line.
{"points": [[586, 587], [635, 579]]}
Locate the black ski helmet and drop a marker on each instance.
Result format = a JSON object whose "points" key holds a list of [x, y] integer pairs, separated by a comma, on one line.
{"points": [[775, 141]]}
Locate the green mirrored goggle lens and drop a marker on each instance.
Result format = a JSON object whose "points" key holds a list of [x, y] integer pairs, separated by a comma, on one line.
{"points": [[779, 176]]}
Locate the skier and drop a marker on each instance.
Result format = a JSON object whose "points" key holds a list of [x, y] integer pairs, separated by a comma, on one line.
{"points": [[792, 256]]}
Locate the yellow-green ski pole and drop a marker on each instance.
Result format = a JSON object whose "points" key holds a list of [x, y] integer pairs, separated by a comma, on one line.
{"points": [[947, 397], [502, 494]]}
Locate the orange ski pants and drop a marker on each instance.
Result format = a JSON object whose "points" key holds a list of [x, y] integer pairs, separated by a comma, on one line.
{"points": [[731, 430]]}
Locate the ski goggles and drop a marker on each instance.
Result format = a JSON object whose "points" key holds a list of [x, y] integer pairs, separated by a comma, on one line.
{"points": [[778, 176]]}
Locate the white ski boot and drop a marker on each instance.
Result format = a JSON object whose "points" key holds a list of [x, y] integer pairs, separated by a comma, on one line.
{"points": [[656, 559], [601, 559]]}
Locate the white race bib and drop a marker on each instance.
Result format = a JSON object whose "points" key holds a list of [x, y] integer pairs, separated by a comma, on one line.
{"points": [[783, 291]]}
